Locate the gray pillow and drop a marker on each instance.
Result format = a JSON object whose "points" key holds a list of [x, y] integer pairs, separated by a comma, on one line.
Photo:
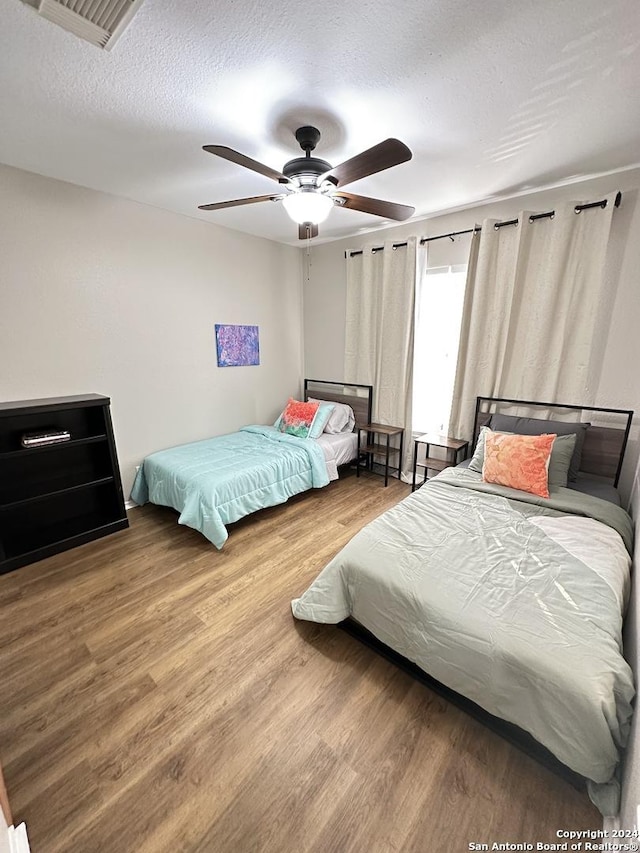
{"points": [[538, 426], [561, 453], [477, 460]]}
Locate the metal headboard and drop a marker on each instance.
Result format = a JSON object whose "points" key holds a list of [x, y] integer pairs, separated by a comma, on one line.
{"points": [[359, 397], [604, 443]]}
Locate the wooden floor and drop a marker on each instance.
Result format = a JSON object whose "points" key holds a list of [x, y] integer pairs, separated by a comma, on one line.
{"points": [[157, 695]]}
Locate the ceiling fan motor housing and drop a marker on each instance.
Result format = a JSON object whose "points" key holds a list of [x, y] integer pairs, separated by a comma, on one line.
{"points": [[303, 166]]}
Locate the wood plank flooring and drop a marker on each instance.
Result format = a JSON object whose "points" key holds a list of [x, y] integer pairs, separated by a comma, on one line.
{"points": [[157, 696]]}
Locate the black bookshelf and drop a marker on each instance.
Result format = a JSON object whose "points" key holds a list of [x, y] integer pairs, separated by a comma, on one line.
{"points": [[59, 495]]}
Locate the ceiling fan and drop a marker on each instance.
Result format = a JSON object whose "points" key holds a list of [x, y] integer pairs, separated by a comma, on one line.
{"points": [[310, 185]]}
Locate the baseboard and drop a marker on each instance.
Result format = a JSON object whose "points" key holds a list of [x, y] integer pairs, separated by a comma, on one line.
{"points": [[130, 504]]}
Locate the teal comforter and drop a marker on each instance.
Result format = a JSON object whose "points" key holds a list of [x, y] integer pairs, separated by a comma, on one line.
{"points": [[511, 600], [214, 482]]}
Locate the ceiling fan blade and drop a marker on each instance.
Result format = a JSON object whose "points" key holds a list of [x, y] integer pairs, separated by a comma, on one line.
{"points": [[307, 230], [247, 162], [388, 209], [382, 156], [218, 205]]}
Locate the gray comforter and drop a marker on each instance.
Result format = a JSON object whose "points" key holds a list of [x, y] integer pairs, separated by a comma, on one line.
{"points": [[511, 600]]}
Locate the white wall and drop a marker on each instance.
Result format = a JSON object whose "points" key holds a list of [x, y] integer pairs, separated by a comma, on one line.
{"points": [[617, 349], [99, 294]]}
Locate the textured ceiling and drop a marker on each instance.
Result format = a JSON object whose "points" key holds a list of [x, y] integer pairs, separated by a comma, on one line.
{"points": [[493, 99]]}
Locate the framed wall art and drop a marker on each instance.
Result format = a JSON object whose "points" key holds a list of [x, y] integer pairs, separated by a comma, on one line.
{"points": [[237, 346]]}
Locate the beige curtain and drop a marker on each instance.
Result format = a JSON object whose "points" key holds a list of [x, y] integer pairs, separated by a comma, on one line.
{"points": [[533, 298], [379, 332]]}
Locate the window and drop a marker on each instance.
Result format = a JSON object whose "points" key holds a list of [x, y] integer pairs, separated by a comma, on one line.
{"points": [[439, 302]]}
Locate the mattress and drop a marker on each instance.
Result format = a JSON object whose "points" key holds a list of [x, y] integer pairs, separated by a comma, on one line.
{"points": [[512, 600]]}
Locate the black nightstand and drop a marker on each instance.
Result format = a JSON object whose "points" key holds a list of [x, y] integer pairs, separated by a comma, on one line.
{"points": [[373, 448], [455, 451]]}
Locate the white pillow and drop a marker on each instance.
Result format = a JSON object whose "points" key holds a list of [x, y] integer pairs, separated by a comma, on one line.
{"points": [[342, 418]]}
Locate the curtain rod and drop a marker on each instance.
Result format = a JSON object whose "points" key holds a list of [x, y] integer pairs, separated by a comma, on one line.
{"points": [[533, 218]]}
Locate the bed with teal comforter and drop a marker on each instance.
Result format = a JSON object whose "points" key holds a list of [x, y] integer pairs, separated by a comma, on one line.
{"points": [[511, 600], [214, 482]]}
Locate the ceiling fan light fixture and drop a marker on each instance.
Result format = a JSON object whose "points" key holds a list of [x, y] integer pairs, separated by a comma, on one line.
{"points": [[308, 206]]}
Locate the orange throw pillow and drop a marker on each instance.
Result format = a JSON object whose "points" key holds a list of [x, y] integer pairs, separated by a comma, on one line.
{"points": [[518, 461], [297, 418]]}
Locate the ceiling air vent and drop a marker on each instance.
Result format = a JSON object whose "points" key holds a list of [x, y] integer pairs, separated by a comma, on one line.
{"points": [[98, 21]]}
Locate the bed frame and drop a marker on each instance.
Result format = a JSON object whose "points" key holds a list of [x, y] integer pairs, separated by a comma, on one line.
{"points": [[604, 443], [359, 397], [602, 455]]}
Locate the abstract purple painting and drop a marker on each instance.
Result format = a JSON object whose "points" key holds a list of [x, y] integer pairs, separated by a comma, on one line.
{"points": [[237, 346]]}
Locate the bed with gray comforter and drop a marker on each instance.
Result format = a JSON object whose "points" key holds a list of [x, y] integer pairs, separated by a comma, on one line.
{"points": [[511, 600]]}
